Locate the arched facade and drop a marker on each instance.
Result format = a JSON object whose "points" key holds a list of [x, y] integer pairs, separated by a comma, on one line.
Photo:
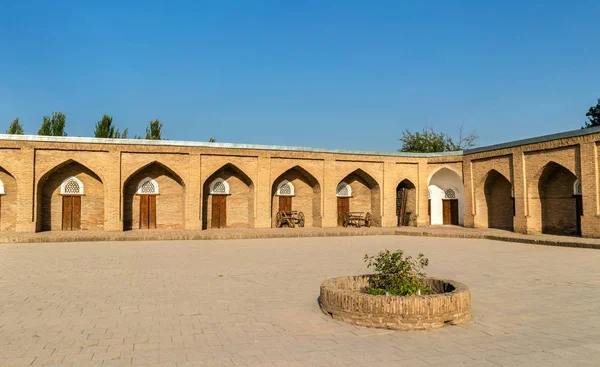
{"points": [[406, 203], [154, 198], [228, 199], [552, 203], [495, 209], [366, 196], [447, 197], [296, 189], [70, 197]]}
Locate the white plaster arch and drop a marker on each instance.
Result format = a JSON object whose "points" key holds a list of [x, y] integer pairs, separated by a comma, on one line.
{"points": [[148, 186], [440, 182], [70, 186], [343, 190], [576, 187], [219, 187], [285, 188], [2, 192]]}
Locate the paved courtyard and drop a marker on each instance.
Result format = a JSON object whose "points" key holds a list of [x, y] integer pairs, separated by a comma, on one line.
{"points": [[254, 303]]}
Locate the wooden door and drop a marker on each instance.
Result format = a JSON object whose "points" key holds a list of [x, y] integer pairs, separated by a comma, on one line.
{"points": [[285, 203], [219, 211], [454, 212], [71, 213], [343, 204], [579, 212], [147, 211], [429, 209]]}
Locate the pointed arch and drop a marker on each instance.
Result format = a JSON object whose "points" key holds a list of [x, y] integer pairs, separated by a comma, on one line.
{"points": [[406, 203], [70, 178], [447, 197], [306, 195], [494, 201], [239, 201], [366, 194], [553, 208], [167, 208]]}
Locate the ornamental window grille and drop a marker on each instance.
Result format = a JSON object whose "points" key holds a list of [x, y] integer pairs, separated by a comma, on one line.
{"points": [[450, 194], [219, 187], [71, 186], [344, 190], [577, 188], [148, 187], [285, 189]]}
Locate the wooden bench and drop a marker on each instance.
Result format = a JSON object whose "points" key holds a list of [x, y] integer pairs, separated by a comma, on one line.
{"points": [[357, 219], [291, 218]]}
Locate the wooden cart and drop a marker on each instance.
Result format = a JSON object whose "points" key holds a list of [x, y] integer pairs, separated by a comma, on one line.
{"points": [[357, 219], [289, 218]]}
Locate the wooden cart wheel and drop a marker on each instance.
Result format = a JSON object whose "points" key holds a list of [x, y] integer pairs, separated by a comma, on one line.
{"points": [[368, 220], [278, 223], [300, 219], [345, 220]]}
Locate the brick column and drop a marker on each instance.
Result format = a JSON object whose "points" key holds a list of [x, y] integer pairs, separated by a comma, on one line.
{"points": [[422, 195], [590, 221], [328, 192], [193, 193], [520, 192], [113, 193], [26, 192], [469, 217], [262, 201]]}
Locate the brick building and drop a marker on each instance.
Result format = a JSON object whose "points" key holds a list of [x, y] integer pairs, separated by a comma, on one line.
{"points": [[548, 184]]}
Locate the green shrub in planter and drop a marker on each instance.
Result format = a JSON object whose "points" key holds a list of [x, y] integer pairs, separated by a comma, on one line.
{"points": [[396, 274]]}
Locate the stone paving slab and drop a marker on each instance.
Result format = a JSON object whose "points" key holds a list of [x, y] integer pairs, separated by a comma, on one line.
{"points": [[254, 303], [432, 231]]}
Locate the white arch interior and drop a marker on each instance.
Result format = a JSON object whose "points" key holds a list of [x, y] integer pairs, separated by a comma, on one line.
{"points": [[147, 187], [70, 186], [343, 190], [2, 188], [445, 184], [576, 187], [219, 187], [285, 188]]}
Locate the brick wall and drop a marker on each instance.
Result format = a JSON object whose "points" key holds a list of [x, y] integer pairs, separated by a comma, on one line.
{"points": [[8, 202]]}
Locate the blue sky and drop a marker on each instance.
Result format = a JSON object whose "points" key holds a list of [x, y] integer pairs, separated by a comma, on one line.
{"points": [[338, 74]]}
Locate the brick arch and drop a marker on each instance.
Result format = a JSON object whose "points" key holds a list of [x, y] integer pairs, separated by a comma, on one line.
{"points": [[240, 200], [49, 199], [406, 189], [8, 201], [366, 194], [552, 207], [494, 201], [170, 203], [307, 195]]}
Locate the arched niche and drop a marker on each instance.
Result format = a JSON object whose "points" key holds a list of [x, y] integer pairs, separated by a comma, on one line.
{"points": [[297, 189]]}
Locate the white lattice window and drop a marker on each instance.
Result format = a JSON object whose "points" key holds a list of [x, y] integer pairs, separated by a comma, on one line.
{"points": [[577, 187], [71, 186], [285, 188], [450, 194], [343, 190], [147, 187], [219, 187]]}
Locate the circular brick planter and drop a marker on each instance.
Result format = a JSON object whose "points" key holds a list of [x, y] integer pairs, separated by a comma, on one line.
{"points": [[342, 299]]}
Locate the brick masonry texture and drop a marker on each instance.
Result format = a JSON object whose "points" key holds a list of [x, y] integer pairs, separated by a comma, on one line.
{"points": [[539, 176], [342, 299]]}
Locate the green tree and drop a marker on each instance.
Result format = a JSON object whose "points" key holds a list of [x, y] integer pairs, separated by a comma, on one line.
{"points": [[54, 126], [212, 140], [15, 128], [154, 130], [430, 141], [593, 116], [105, 129]]}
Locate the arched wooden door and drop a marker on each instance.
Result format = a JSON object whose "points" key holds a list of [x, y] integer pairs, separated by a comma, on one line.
{"points": [[147, 211], [219, 211], [71, 212]]}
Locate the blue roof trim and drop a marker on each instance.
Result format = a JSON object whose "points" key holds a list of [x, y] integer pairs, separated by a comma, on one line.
{"points": [[539, 139]]}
